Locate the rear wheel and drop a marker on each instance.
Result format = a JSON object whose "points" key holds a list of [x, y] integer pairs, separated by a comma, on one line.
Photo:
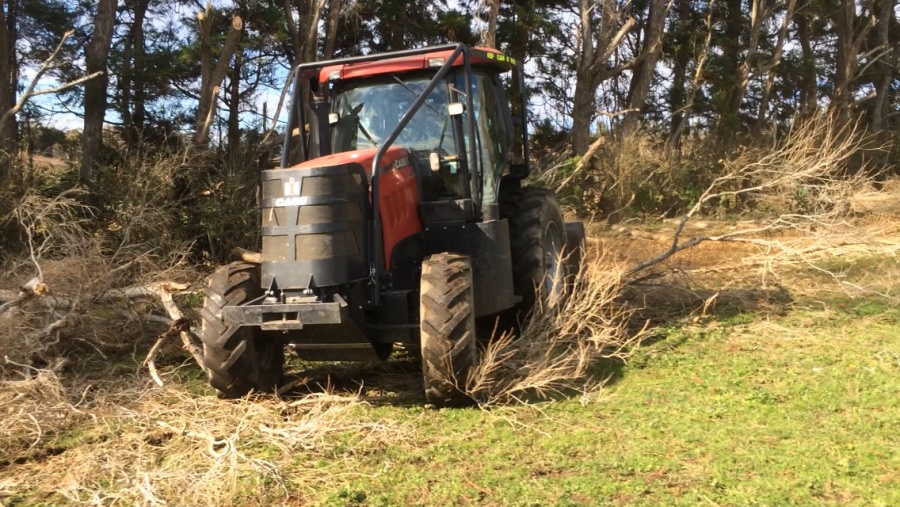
{"points": [[237, 359], [447, 322], [538, 238]]}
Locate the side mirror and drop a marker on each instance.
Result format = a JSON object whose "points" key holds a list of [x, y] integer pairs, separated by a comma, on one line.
{"points": [[456, 108]]}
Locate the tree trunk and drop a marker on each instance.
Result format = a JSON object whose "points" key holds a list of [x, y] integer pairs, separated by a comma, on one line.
{"points": [[311, 33], [843, 28], [642, 76], [763, 111], [96, 54], [125, 80], [759, 13], [234, 103], [809, 99], [9, 80], [293, 33], [331, 28], [884, 66], [583, 107], [595, 49], [400, 26], [139, 114], [728, 122], [848, 40], [489, 37], [696, 81], [212, 76], [682, 58]]}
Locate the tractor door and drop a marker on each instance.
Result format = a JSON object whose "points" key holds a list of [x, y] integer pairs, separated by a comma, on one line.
{"points": [[493, 134]]}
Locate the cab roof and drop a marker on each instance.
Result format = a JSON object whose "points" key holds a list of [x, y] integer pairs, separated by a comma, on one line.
{"points": [[480, 56]]}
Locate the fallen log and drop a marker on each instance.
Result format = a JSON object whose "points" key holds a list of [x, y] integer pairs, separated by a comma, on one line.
{"points": [[247, 256], [30, 289]]}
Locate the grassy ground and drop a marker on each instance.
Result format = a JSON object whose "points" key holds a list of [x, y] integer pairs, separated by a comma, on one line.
{"points": [[790, 410], [787, 396]]}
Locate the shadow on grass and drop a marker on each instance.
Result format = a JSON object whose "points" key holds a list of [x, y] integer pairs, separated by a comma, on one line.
{"points": [[664, 309], [396, 382]]}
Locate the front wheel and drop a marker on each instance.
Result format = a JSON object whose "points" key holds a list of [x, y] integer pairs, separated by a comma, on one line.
{"points": [[447, 324], [237, 359]]}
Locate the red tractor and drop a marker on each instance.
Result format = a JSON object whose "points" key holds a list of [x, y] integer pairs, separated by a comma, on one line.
{"points": [[409, 223]]}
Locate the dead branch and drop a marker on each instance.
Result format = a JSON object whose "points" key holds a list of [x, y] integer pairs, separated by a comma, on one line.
{"points": [[46, 66], [53, 302], [12, 299], [179, 326], [189, 340], [247, 256], [212, 77]]}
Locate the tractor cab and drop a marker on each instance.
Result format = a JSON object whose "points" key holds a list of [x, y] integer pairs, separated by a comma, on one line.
{"points": [[365, 110], [460, 134]]}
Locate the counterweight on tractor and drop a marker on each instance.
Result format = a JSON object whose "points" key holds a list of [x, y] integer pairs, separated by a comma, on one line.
{"points": [[398, 215]]}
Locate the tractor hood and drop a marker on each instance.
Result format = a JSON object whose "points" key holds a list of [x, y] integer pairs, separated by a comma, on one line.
{"points": [[394, 157]]}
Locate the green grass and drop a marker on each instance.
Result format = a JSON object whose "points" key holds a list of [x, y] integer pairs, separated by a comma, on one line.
{"points": [[797, 406], [801, 409]]}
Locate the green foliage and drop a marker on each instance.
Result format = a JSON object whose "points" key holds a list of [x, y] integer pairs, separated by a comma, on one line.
{"points": [[639, 175]]}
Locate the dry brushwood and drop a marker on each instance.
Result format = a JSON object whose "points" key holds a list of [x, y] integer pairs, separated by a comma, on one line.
{"points": [[558, 345], [206, 444], [810, 162], [73, 272]]}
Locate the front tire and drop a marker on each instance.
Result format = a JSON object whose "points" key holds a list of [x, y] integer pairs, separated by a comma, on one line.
{"points": [[237, 359], [447, 325]]}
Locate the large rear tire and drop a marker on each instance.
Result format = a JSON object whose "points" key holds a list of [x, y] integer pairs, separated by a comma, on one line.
{"points": [[538, 238], [237, 359], [447, 322]]}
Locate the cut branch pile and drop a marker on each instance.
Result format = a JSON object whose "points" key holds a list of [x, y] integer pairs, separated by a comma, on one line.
{"points": [[803, 179], [82, 288], [558, 345]]}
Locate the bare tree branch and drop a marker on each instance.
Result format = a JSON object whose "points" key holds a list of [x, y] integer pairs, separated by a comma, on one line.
{"points": [[45, 67]]}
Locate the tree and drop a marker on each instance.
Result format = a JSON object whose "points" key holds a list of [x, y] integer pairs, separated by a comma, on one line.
{"points": [[602, 27], [9, 80], [653, 29], [763, 111], [679, 48], [133, 76], [850, 30], [211, 76], [886, 67], [95, 91]]}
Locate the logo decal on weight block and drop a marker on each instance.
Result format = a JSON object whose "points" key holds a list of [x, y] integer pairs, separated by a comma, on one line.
{"points": [[291, 187]]}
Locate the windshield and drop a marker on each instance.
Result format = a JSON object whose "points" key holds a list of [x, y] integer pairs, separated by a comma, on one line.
{"points": [[369, 111]]}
